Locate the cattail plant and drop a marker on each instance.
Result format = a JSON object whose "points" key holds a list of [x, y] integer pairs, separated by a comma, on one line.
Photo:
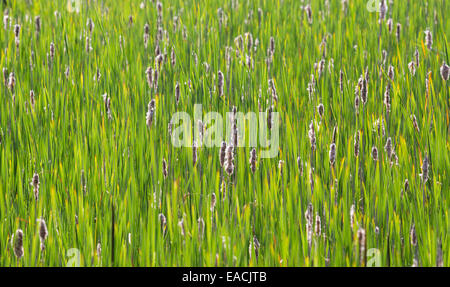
{"points": [[280, 166], [356, 144], [90, 25], [18, 244], [99, 253], [149, 77], [388, 147], [389, 25], [374, 153], [222, 153], [416, 57], [320, 110], [252, 160], [194, 153], [352, 216], [332, 154], [444, 71], [300, 165], [412, 235], [391, 72], [146, 35], [12, 82], [88, 44], [412, 68], [35, 183], [5, 76], [37, 22], [272, 46], [398, 31], [6, 22], [362, 246], [32, 100], [97, 75], [387, 97], [220, 80], [321, 67], [181, 226], [309, 223], [309, 13], [229, 158], [107, 103], [363, 92], [42, 233], [318, 227], [213, 201], [150, 113], [312, 136], [273, 90], [414, 120], [162, 222], [383, 10], [16, 35], [269, 117], [164, 168], [428, 39]]}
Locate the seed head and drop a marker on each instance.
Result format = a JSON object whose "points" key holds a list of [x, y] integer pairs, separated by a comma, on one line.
{"points": [[162, 221], [229, 158], [428, 39], [32, 101], [312, 136], [164, 168], [318, 229], [37, 22], [16, 30], [332, 154], [90, 25], [252, 160], [269, 117], [362, 245], [388, 147], [412, 235], [444, 71], [391, 72], [35, 183], [309, 13], [356, 144], [412, 68], [320, 109], [398, 31], [42, 233], [18, 244], [374, 153], [220, 80], [425, 169], [194, 153], [213, 201]]}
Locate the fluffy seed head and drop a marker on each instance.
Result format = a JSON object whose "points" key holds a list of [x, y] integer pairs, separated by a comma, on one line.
{"points": [[252, 160], [374, 153], [428, 39], [18, 244], [444, 71]]}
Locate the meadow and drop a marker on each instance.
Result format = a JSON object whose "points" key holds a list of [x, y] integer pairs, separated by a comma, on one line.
{"points": [[89, 175]]}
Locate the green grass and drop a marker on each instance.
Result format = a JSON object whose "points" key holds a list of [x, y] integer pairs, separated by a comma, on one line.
{"points": [[68, 131]]}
